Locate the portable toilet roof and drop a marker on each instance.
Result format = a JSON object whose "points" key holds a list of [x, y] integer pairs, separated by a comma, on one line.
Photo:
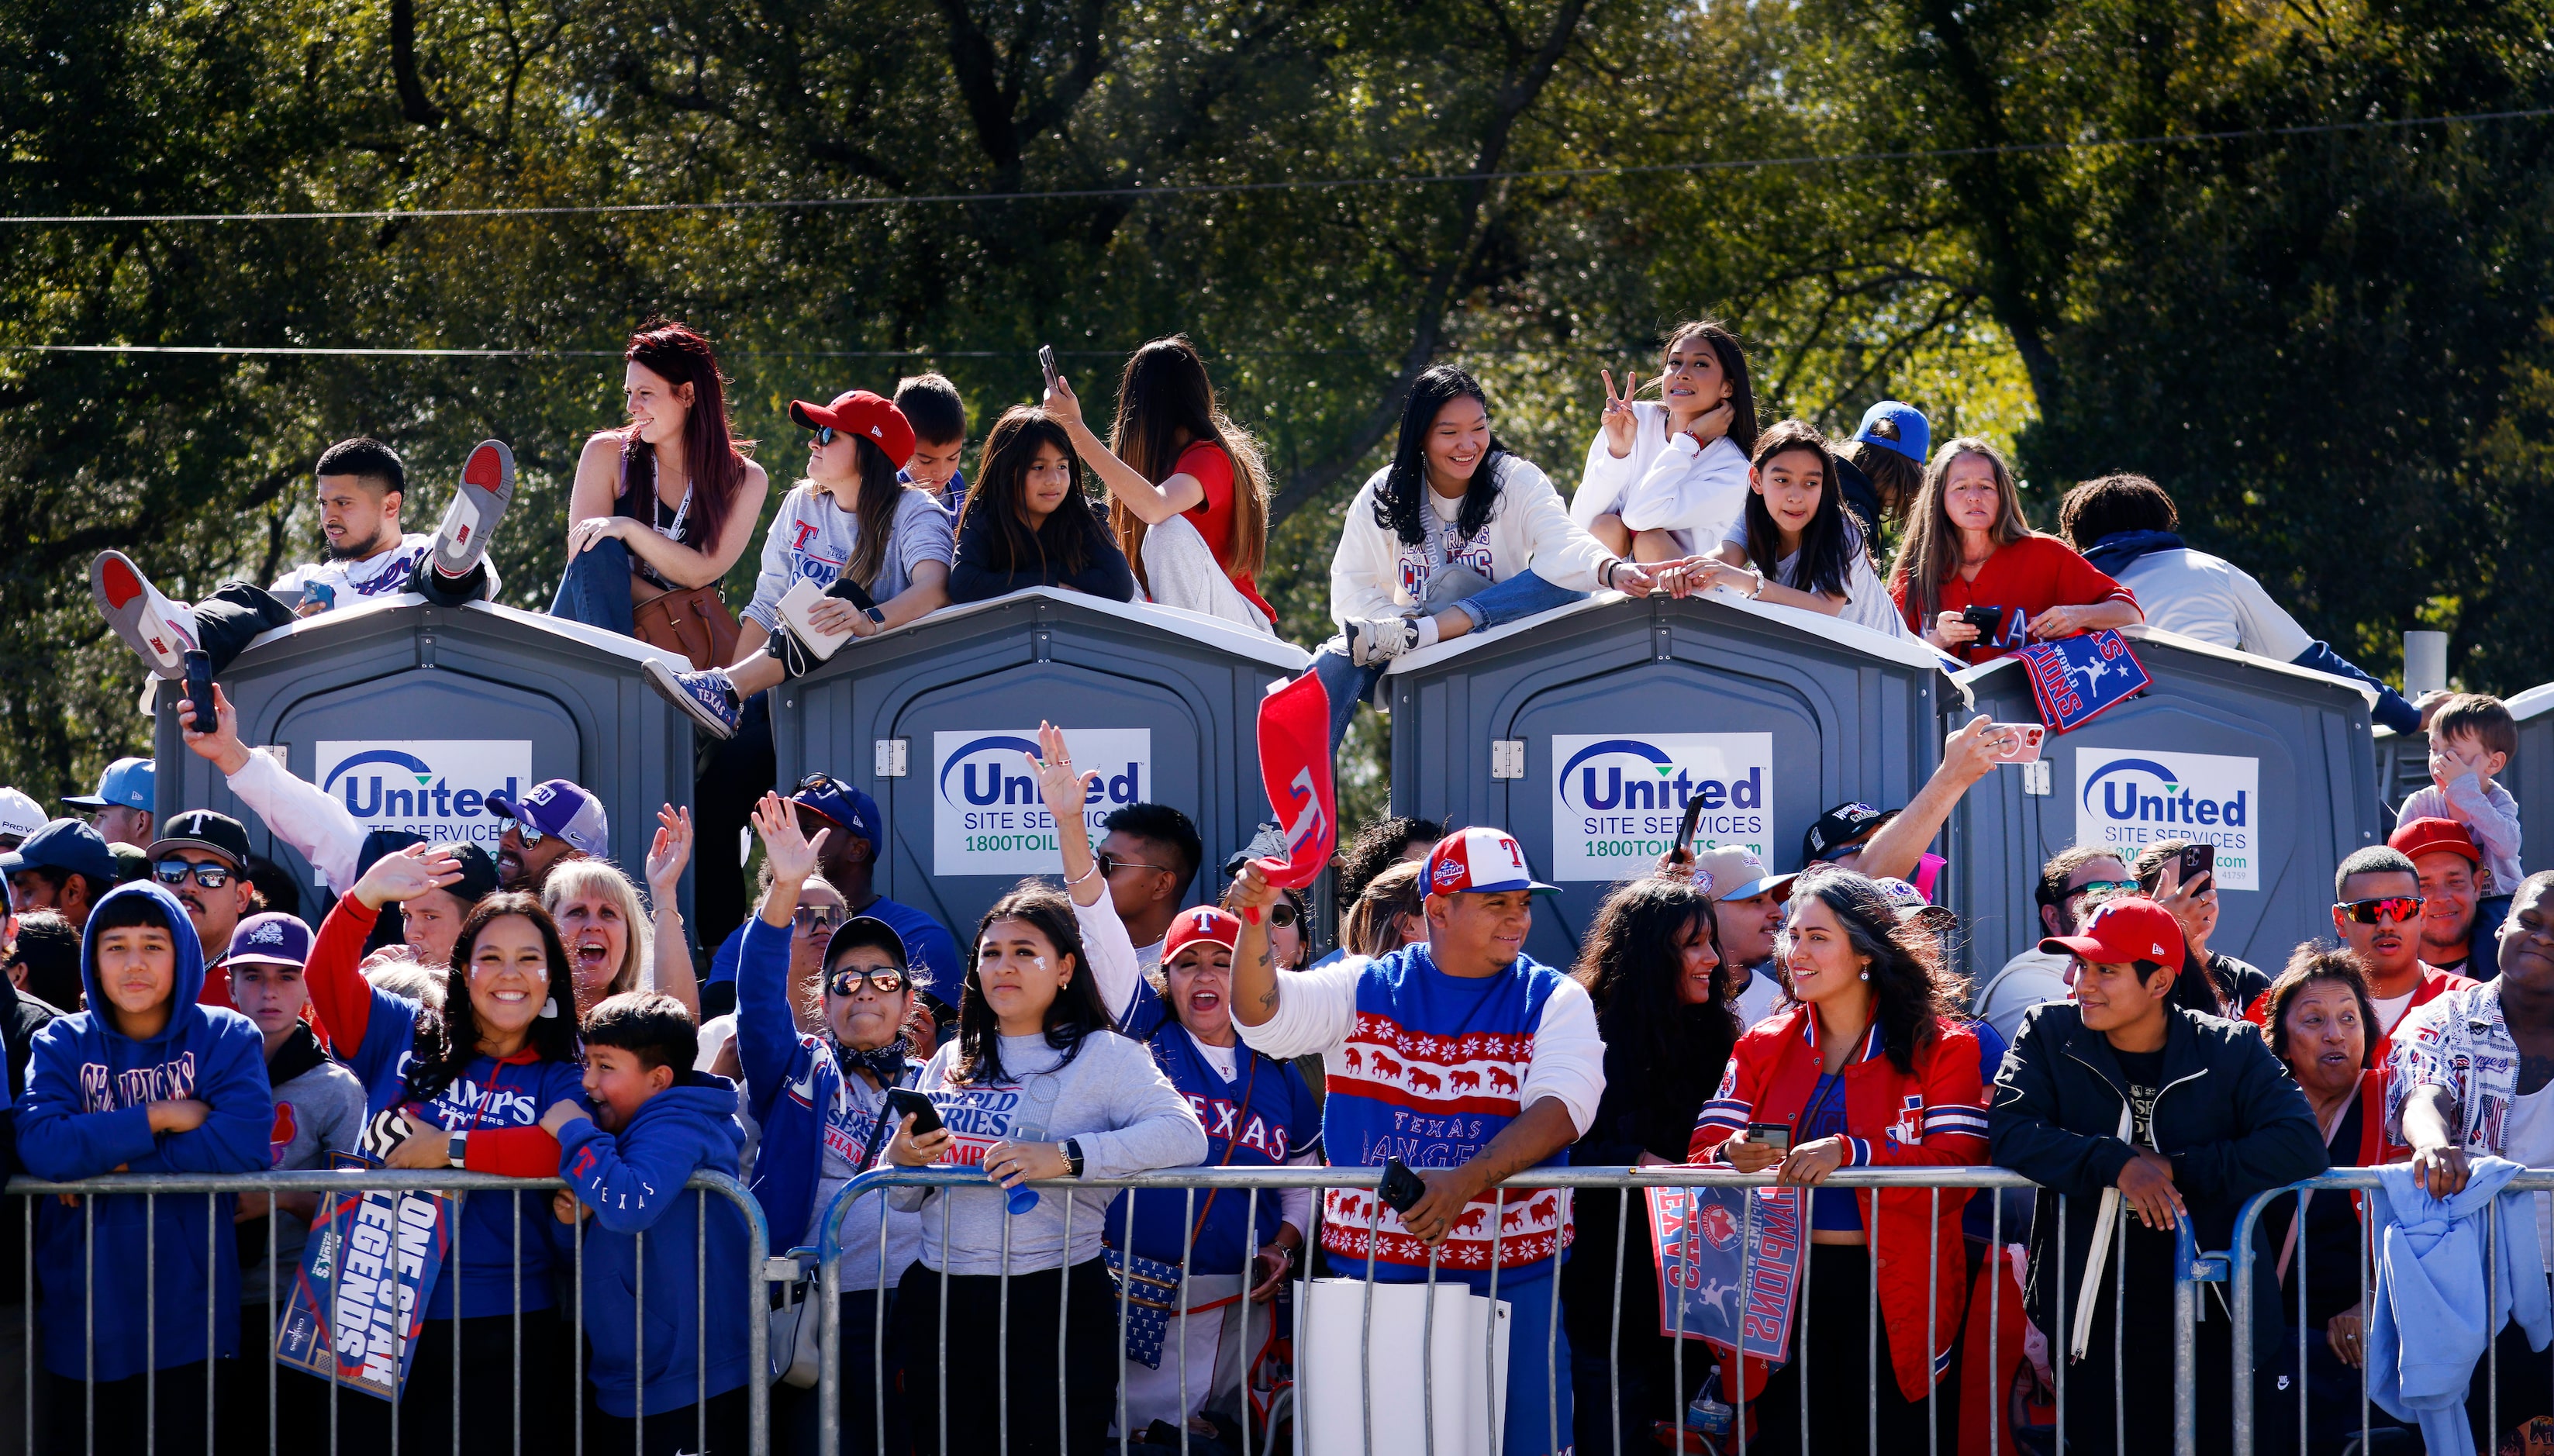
{"points": [[1587, 729], [410, 713], [932, 720], [2403, 765], [2267, 760]]}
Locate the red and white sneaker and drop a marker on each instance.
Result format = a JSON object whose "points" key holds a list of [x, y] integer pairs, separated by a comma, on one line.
{"points": [[143, 618], [487, 488]]}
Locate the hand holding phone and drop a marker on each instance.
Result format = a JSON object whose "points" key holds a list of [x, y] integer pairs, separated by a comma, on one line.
{"points": [[1774, 1135], [1684, 830], [2197, 860], [1401, 1189], [199, 691], [2023, 741], [904, 1102]]}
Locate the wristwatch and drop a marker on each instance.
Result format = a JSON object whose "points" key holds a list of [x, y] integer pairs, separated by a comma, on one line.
{"points": [[1071, 1148], [454, 1150]]}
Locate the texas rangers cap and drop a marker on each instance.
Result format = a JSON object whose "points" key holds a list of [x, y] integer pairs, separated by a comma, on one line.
{"points": [[860, 412], [840, 802], [1200, 922], [1479, 861], [557, 806], [2131, 927]]}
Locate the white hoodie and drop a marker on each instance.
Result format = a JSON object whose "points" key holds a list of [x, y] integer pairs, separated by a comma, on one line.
{"points": [[1667, 482], [1373, 574]]}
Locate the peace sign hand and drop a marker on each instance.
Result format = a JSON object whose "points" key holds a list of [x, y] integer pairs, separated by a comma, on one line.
{"points": [[1622, 426]]}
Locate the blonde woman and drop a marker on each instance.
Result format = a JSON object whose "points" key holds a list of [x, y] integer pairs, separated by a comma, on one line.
{"points": [[1968, 545], [610, 936]]}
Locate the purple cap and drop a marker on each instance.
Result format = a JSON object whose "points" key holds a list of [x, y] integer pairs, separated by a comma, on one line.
{"points": [[557, 806], [271, 938]]}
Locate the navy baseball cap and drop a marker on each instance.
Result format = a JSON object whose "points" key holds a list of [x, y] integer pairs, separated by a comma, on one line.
{"points": [[557, 806], [271, 938], [840, 802], [1915, 433], [126, 784], [64, 843], [1841, 829], [202, 828]]}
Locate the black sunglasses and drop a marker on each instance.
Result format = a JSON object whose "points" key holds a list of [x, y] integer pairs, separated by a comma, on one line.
{"points": [[886, 978], [826, 435], [1110, 864], [174, 872]]}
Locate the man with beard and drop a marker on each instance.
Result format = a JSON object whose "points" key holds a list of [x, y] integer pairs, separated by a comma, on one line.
{"points": [[2447, 860], [1747, 903], [362, 485], [2378, 917], [554, 823], [202, 859]]}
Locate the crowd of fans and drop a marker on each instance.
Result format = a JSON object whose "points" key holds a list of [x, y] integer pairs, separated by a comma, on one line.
{"points": [[536, 1012]]}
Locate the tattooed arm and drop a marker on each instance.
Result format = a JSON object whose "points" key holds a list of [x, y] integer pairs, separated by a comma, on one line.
{"points": [[1254, 969]]}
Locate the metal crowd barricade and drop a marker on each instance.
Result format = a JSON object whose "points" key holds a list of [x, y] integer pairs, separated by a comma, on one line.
{"points": [[218, 1244], [866, 1197], [2243, 1258]]}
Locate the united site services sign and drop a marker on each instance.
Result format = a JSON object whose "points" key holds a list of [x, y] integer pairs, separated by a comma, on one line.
{"points": [[1617, 800], [2129, 798], [986, 817], [434, 787]]}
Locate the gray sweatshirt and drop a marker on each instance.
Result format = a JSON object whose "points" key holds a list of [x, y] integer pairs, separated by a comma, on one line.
{"points": [[1110, 1097], [317, 1113]]}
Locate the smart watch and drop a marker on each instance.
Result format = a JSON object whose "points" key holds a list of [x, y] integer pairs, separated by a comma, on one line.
{"points": [[1071, 1148], [454, 1150]]}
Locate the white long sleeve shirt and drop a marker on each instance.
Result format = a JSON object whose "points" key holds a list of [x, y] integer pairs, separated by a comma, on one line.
{"points": [[1374, 574], [304, 815], [1667, 482], [2213, 600]]}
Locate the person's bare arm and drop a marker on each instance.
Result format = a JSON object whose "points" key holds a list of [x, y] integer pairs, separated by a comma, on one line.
{"points": [[666, 856], [1151, 503], [928, 593], [1065, 792], [1254, 968], [1538, 1132], [2068, 621], [1968, 755]]}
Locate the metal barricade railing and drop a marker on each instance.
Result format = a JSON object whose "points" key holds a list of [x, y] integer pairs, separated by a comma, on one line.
{"points": [[865, 1198], [2243, 1259], [151, 1187]]}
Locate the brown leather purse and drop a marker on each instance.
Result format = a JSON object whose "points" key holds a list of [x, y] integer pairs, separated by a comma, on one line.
{"points": [[695, 624]]}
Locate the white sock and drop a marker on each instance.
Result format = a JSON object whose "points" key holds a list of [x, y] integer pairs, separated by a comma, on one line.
{"points": [[1426, 632]]}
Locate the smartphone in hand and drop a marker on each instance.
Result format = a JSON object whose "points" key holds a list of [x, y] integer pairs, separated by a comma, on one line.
{"points": [[1774, 1135], [904, 1102], [2196, 860], [1046, 362], [1401, 1189], [2026, 738], [199, 691], [1684, 830]]}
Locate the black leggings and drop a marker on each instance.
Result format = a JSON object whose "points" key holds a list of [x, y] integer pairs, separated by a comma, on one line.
{"points": [[975, 1407], [488, 1390], [1831, 1330]]}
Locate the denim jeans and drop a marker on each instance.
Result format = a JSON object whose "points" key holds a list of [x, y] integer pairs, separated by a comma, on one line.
{"points": [[595, 588], [1521, 596]]}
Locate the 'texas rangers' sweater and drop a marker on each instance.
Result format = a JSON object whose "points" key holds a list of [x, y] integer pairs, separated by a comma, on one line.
{"points": [[1429, 1068]]}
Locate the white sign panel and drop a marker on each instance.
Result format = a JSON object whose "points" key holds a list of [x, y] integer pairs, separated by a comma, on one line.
{"points": [[2129, 798], [1617, 800], [435, 787], [986, 814]]}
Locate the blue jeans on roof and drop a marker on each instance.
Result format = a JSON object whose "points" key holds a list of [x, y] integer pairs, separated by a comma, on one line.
{"points": [[595, 589], [1521, 596]]}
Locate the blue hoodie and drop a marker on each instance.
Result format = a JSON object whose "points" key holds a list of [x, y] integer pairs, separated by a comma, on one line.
{"points": [[2440, 1299], [86, 1113], [633, 1182]]}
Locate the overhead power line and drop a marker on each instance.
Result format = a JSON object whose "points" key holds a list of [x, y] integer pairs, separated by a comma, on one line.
{"points": [[1188, 189]]}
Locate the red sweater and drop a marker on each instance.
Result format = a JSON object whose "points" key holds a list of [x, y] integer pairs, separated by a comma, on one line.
{"points": [[2034, 574]]}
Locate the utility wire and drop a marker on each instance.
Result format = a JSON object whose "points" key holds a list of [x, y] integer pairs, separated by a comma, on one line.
{"points": [[1185, 189]]}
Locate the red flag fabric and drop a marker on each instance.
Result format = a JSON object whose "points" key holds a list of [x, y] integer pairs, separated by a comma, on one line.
{"points": [[1295, 764]]}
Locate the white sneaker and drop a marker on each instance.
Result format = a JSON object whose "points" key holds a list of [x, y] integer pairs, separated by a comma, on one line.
{"points": [[487, 488], [1378, 640], [126, 601]]}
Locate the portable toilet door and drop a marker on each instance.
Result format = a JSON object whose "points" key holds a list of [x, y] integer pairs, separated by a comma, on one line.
{"points": [[1585, 731], [409, 714], [2268, 761], [2403, 765], [933, 719]]}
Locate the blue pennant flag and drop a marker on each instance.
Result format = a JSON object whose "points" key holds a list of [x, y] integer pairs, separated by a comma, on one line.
{"points": [[2079, 679]]}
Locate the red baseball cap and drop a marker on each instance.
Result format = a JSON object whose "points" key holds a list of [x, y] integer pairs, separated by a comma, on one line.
{"points": [[1200, 922], [2131, 927], [1480, 860], [2430, 835], [860, 412]]}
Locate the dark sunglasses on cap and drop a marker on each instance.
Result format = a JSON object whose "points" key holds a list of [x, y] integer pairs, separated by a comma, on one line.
{"points": [[2396, 908], [174, 872], [818, 917], [886, 979]]}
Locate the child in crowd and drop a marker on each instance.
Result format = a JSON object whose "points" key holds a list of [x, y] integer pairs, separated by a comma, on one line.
{"points": [[1028, 523], [878, 548], [939, 418], [145, 1081], [1794, 544], [1882, 468], [654, 1123], [2472, 736]]}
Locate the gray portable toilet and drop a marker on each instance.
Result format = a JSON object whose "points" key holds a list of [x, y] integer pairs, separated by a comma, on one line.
{"points": [[410, 713], [932, 719], [2269, 761], [2403, 765], [1585, 731]]}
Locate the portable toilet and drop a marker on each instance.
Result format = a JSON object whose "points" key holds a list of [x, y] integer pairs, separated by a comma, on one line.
{"points": [[2268, 761], [933, 719], [1586, 732], [410, 714], [2403, 765]]}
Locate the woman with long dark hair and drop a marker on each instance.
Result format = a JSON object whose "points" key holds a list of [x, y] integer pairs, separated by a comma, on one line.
{"points": [[1968, 545], [1871, 1068], [665, 503], [1651, 963], [1188, 494], [1034, 1088], [1455, 535], [1663, 479], [1794, 544], [876, 549], [465, 1087], [1026, 522]]}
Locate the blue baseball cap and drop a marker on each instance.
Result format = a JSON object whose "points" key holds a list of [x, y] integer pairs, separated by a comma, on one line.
{"points": [[1913, 434], [64, 843], [557, 806], [840, 802], [126, 784]]}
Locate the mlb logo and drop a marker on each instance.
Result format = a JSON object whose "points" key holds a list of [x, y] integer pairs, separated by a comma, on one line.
{"points": [[1448, 874]]}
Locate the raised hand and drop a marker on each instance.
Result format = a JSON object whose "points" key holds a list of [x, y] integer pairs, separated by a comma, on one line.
{"points": [[1622, 425], [1063, 790], [405, 874], [1061, 403], [791, 854], [222, 747], [668, 852]]}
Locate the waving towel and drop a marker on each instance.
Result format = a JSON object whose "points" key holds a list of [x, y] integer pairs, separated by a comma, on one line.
{"points": [[2439, 1303]]}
